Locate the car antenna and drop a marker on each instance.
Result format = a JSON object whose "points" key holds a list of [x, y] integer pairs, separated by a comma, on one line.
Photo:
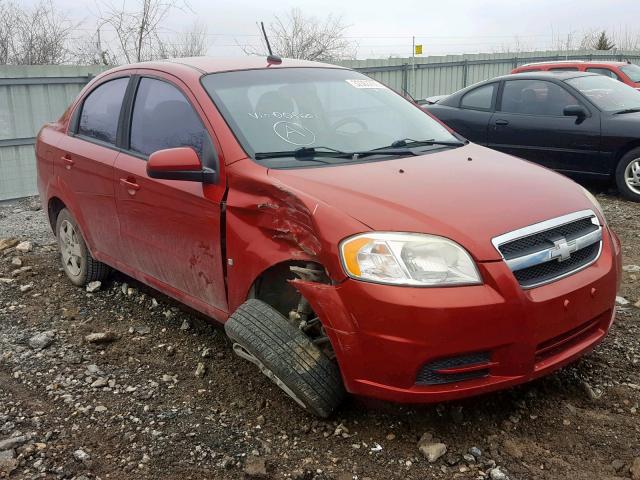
{"points": [[271, 59]]}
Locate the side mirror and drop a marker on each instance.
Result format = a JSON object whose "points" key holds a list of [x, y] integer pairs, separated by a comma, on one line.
{"points": [[181, 163], [575, 111]]}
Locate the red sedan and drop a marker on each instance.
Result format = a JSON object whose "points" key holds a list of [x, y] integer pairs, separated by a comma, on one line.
{"points": [[626, 72], [347, 240]]}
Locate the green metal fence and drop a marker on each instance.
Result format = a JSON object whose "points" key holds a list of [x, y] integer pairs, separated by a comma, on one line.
{"points": [[29, 97]]}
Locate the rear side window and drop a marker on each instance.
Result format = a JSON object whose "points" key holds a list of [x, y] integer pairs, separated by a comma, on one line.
{"points": [[604, 71], [164, 118], [479, 99], [101, 110]]}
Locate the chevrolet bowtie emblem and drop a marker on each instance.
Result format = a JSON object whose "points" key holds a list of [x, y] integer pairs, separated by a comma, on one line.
{"points": [[562, 249]]}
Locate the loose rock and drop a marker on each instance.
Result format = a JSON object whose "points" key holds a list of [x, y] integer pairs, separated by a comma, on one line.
{"points": [[81, 456], [101, 337], [94, 286], [622, 301], [24, 247], [13, 442], [201, 370], [255, 467], [430, 449], [6, 243], [42, 340]]}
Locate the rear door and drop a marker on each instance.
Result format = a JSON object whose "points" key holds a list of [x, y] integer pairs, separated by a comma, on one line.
{"points": [[171, 229], [472, 116], [84, 165], [529, 123]]}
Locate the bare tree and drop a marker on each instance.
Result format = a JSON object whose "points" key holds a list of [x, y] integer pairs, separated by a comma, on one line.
{"points": [[189, 43], [137, 30], [33, 36], [298, 36], [8, 14]]}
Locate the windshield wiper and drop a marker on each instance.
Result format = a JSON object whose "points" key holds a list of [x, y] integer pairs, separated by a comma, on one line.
{"points": [[628, 110], [307, 153], [302, 153], [410, 142]]}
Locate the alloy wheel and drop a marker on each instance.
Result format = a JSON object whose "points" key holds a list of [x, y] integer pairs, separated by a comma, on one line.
{"points": [[70, 248], [632, 176]]}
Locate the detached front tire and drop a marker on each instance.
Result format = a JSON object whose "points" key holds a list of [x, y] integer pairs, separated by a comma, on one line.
{"points": [[628, 175], [287, 356], [78, 264]]}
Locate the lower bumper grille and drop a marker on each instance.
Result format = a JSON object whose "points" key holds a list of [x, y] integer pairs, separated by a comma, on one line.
{"points": [[550, 250], [454, 369], [573, 337]]}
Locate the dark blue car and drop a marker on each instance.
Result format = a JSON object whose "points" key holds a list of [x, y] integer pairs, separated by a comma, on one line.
{"points": [[581, 124]]}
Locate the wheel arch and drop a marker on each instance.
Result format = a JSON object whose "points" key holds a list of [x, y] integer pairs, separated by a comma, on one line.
{"points": [[622, 151], [273, 285]]}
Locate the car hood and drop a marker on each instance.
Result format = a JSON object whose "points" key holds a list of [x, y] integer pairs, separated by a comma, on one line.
{"points": [[468, 194]]}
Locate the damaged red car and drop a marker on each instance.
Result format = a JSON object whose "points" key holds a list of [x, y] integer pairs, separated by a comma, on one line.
{"points": [[348, 241]]}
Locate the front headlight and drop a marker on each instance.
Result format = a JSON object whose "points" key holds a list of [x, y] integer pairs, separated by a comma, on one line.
{"points": [[407, 259]]}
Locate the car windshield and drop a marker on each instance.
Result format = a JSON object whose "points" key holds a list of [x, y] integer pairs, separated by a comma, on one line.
{"points": [[606, 93], [632, 71], [286, 109]]}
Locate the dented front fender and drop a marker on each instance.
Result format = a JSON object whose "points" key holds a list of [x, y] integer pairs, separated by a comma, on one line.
{"points": [[268, 223]]}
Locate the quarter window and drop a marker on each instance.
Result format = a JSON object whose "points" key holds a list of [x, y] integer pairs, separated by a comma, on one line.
{"points": [[479, 99], [535, 97], [164, 118], [101, 110]]}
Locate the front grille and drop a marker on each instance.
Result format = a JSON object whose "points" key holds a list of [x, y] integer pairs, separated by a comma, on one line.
{"points": [[541, 240], [547, 271], [434, 373], [550, 250]]}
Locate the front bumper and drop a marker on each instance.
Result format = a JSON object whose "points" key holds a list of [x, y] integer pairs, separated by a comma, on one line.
{"points": [[385, 335]]}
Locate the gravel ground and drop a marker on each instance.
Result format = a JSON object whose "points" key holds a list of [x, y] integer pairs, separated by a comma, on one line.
{"points": [[164, 397]]}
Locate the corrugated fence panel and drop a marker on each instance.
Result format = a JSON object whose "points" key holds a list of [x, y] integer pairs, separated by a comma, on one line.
{"points": [[29, 97]]}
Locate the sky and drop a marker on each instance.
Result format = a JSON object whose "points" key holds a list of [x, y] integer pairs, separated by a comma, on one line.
{"points": [[383, 29]]}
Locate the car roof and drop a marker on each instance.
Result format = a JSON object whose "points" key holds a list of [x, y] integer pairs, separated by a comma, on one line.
{"points": [[557, 63], [206, 65], [558, 75]]}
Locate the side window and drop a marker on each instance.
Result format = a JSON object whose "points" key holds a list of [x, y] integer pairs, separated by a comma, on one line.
{"points": [[479, 99], [535, 97], [164, 118], [604, 71], [101, 110]]}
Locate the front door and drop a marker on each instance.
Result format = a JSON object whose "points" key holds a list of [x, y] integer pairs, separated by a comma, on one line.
{"points": [[530, 124], [170, 229]]}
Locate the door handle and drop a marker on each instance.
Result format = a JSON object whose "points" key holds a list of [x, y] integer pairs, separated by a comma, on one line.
{"points": [[502, 122], [131, 185], [68, 161]]}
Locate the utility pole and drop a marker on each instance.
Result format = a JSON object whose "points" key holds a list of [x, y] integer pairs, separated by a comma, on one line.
{"points": [[413, 64]]}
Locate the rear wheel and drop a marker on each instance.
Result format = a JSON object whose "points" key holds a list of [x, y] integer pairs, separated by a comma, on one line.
{"points": [[628, 175], [80, 267], [287, 356]]}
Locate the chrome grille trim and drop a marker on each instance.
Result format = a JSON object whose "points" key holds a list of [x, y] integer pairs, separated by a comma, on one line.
{"points": [[560, 251]]}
